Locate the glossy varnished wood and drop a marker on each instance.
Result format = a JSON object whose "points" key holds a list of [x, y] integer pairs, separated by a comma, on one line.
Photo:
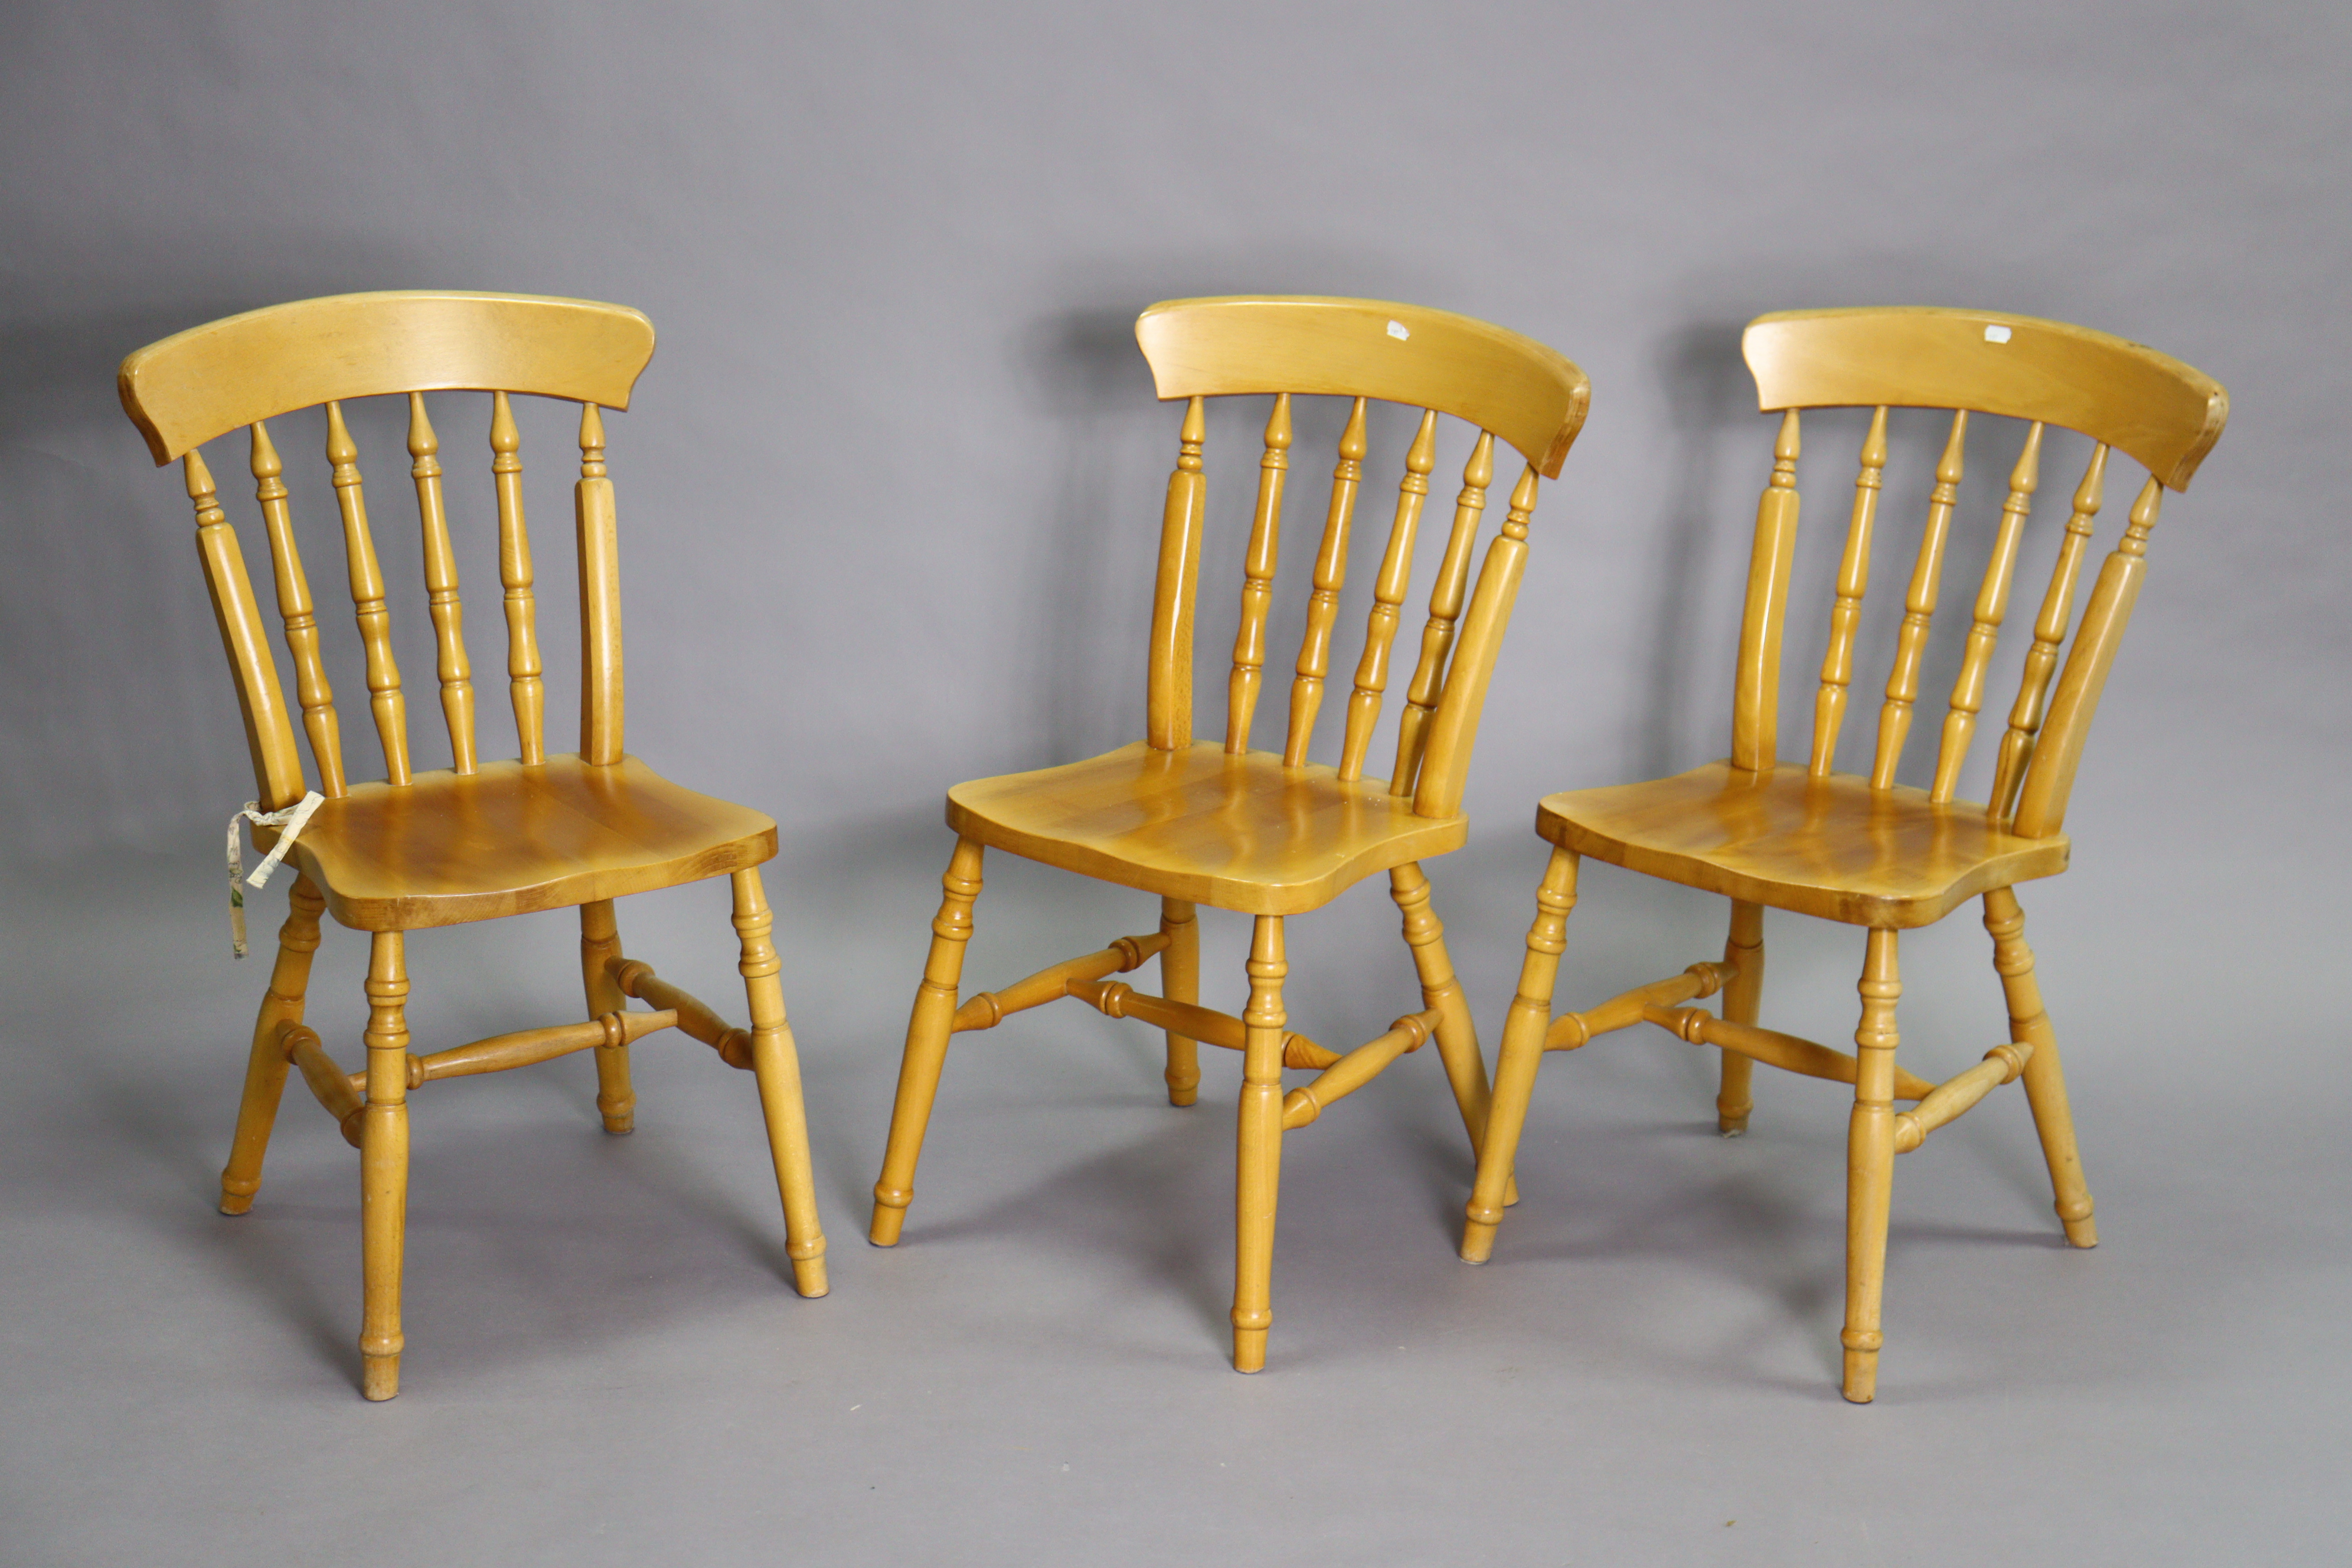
{"points": [[507, 839], [1275, 833], [2164, 413], [484, 839], [1525, 393], [1203, 824], [209, 380], [1828, 847], [1858, 847]]}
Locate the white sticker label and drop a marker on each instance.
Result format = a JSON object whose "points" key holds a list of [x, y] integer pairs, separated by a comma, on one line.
{"points": [[1996, 333], [1397, 330]]}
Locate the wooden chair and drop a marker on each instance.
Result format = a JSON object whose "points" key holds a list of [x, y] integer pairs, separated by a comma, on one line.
{"points": [[1864, 849], [482, 839], [1269, 834]]}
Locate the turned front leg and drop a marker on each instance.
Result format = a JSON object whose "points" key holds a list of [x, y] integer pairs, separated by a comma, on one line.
{"points": [[1180, 981], [1523, 1047], [1870, 1167], [1258, 1165], [384, 1166], [1743, 999], [264, 1068], [776, 1064], [2045, 1080], [928, 1029], [600, 946]]}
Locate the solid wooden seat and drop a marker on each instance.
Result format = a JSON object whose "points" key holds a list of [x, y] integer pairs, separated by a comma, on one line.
{"points": [[1266, 834], [512, 838], [1241, 833], [481, 840], [1829, 846], [1863, 848]]}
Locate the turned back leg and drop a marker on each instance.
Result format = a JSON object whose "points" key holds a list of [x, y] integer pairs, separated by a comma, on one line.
{"points": [[1743, 998], [1180, 981], [777, 1066], [927, 1042], [2045, 1080], [1457, 1033], [265, 1067], [1523, 1047], [600, 946]]}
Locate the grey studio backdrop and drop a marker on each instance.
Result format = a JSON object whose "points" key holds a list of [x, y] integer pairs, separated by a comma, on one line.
{"points": [[889, 498]]}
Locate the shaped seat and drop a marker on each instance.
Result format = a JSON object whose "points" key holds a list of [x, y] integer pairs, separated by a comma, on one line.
{"points": [[483, 839], [1204, 825], [1265, 833], [1863, 848], [1893, 858], [511, 838]]}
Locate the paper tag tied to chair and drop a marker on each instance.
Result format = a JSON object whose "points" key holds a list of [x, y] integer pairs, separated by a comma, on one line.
{"points": [[289, 823]]}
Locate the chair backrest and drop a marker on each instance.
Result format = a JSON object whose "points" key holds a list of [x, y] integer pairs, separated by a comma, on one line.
{"points": [[2123, 397], [1508, 387], [247, 370]]}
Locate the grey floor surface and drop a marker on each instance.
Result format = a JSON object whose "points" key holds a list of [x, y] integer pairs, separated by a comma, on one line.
{"points": [[605, 1365]]}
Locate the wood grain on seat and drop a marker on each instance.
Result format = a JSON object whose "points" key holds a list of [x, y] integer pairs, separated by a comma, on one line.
{"points": [[1203, 825], [511, 838], [1833, 846]]}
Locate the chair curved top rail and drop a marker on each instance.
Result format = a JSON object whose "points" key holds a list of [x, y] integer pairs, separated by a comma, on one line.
{"points": [[209, 380], [1525, 394], [2162, 412]]}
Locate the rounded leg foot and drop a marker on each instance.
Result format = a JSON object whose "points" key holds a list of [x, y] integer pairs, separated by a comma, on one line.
{"points": [[380, 1376], [1861, 1377], [620, 1126], [1184, 1093], [1477, 1241], [232, 1202], [1732, 1126], [2082, 1230], [808, 1276], [889, 1218], [1249, 1350]]}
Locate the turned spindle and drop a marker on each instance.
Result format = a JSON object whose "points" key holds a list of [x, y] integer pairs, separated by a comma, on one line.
{"points": [[1388, 599], [524, 675], [2049, 631], [385, 699], [1323, 603], [1845, 614], [1445, 752], [2050, 776], [442, 604], [311, 687], [1444, 610], [1984, 629], [1918, 610], [1258, 579]]}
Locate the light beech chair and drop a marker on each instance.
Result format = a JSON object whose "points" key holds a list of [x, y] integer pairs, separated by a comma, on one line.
{"points": [[481, 840], [1863, 849], [1268, 833]]}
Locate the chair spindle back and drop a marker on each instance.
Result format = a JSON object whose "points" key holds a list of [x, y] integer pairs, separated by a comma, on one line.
{"points": [[247, 370], [1362, 349], [2119, 394]]}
